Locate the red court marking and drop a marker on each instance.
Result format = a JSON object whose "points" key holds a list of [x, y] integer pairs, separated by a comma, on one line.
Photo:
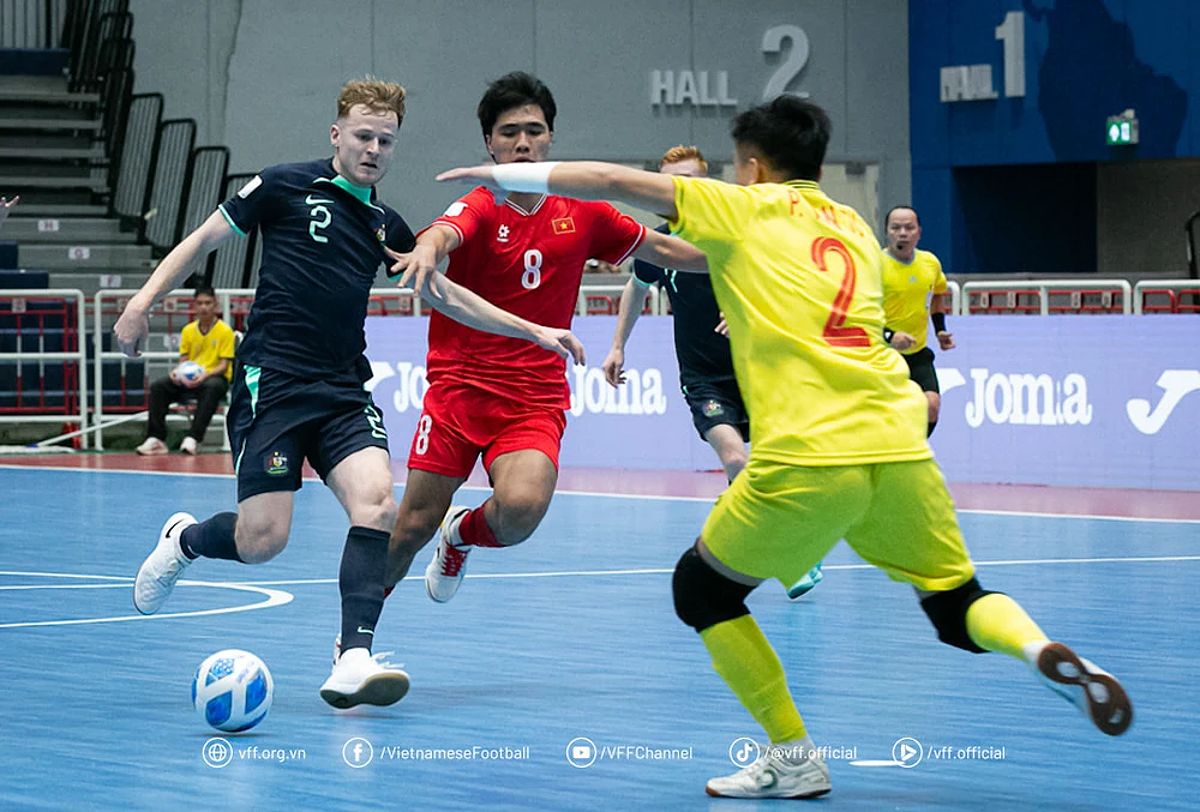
{"points": [[1140, 504]]}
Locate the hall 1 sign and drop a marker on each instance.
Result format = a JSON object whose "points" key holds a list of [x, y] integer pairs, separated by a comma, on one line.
{"points": [[974, 82], [698, 88]]}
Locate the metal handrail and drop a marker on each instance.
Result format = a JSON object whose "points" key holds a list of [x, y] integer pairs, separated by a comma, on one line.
{"points": [[1139, 290], [1043, 288]]}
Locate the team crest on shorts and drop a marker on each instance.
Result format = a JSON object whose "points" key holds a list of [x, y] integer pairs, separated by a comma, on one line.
{"points": [[277, 464], [381, 234], [711, 408]]}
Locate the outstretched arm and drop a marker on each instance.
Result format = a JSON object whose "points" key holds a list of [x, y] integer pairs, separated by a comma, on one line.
{"points": [[666, 251], [414, 268], [134, 324], [473, 310], [5, 205], [586, 180]]}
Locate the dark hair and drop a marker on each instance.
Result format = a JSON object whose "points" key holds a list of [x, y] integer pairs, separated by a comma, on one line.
{"points": [[204, 290], [515, 89], [792, 135], [887, 217]]}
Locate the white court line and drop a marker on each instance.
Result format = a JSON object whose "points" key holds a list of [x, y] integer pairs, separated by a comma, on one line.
{"points": [[638, 496], [274, 597], [667, 570], [868, 762], [280, 598], [1013, 562]]}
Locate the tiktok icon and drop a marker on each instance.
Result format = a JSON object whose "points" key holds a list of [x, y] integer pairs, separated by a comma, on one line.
{"points": [[744, 751]]}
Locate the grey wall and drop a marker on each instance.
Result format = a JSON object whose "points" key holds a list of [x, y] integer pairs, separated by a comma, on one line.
{"points": [[260, 76], [1141, 209]]}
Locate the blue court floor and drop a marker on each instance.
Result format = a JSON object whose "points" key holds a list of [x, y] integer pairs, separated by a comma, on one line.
{"points": [[570, 635]]}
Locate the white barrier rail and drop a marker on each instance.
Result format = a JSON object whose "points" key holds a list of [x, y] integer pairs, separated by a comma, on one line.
{"points": [[591, 295], [1172, 290], [955, 291], [20, 299], [1106, 290], [234, 305]]}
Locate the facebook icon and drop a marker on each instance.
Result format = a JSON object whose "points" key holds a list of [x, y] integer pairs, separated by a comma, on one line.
{"points": [[357, 752]]}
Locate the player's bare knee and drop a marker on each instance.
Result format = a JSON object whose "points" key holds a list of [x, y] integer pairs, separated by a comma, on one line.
{"points": [[947, 611], [258, 542], [734, 463], [518, 515], [704, 597], [935, 406], [378, 511]]}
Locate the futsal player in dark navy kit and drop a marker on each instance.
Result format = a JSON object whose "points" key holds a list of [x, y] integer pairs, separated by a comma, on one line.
{"points": [[701, 348], [298, 392]]}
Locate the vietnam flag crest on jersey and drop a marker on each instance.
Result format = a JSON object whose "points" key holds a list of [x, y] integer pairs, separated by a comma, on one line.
{"points": [[563, 225]]}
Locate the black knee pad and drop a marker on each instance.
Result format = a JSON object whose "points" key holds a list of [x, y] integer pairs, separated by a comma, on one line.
{"points": [[703, 596], [929, 428], [947, 612]]}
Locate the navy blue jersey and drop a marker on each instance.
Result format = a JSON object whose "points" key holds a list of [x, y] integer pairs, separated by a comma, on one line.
{"points": [[323, 240], [703, 354]]}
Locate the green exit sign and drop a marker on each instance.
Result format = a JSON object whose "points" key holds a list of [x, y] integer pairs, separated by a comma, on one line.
{"points": [[1122, 130]]}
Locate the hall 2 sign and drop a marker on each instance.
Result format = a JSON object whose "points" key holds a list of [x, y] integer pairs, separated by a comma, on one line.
{"points": [[699, 88]]}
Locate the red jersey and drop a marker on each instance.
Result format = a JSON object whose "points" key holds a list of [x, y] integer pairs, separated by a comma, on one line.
{"points": [[529, 263]]}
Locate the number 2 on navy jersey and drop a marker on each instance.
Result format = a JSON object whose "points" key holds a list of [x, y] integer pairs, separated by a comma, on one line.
{"points": [[321, 219], [533, 269]]}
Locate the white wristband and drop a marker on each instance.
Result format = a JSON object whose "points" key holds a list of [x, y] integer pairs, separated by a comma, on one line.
{"points": [[524, 177]]}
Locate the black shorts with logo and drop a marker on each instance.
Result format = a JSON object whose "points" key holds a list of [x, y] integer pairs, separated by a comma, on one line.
{"points": [[277, 420], [715, 403], [920, 369]]}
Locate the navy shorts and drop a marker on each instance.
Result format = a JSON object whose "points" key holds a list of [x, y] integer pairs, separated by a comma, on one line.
{"points": [[277, 421], [715, 403], [920, 369]]}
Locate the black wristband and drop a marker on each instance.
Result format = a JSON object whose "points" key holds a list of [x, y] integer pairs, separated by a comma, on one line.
{"points": [[939, 321], [888, 332]]}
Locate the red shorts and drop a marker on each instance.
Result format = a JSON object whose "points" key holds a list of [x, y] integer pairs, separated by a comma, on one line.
{"points": [[458, 423]]}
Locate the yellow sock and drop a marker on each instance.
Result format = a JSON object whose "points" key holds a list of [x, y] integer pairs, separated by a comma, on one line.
{"points": [[998, 623], [744, 658]]}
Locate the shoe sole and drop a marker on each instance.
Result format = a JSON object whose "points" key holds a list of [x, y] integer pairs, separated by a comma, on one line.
{"points": [[1112, 715], [164, 534], [381, 689], [430, 568], [798, 797]]}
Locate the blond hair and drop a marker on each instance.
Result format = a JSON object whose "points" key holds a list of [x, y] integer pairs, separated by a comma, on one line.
{"points": [[681, 153], [379, 96]]}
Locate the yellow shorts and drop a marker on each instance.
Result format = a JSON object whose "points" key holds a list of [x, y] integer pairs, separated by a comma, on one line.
{"points": [[778, 521]]}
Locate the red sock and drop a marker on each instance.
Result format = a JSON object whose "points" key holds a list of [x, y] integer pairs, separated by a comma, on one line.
{"points": [[475, 531]]}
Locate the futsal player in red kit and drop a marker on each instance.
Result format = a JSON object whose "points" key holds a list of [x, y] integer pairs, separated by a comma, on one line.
{"points": [[493, 396]]}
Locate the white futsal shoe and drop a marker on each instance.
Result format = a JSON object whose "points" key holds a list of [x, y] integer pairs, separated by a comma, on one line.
{"points": [[358, 678], [152, 447], [162, 568], [445, 571], [786, 770], [1086, 686]]}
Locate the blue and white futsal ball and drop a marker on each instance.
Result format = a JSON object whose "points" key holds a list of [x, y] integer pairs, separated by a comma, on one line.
{"points": [[232, 690], [189, 372]]}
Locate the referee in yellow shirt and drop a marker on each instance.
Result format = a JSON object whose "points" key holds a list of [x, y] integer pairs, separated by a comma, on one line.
{"points": [[839, 445], [914, 293]]}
